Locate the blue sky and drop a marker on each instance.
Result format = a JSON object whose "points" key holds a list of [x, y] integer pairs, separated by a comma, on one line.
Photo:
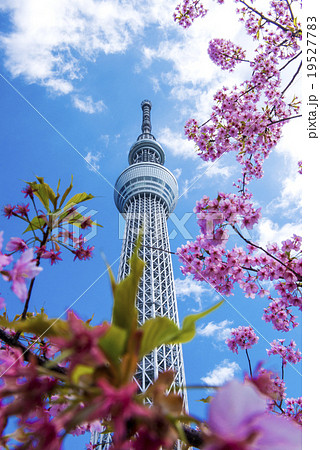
{"points": [[73, 75]]}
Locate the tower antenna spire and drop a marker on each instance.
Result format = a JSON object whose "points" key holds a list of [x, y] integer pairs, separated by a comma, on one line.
{"points": [[146, 106]]}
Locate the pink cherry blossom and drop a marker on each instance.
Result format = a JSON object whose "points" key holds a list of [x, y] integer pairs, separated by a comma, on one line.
{"points": [[23, 210], [86, 223], [52, 255], [120, 405], [238, 420], [83, 253], [188, 11], [294, 409], [287, 353], [83, 340], [269, 384], [243, 337], [9, 211], [28, 191], [25, 267], [226, 55], [16, 244]]}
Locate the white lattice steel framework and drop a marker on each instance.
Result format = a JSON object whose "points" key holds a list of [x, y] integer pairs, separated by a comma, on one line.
{"points": [[145, 194]]}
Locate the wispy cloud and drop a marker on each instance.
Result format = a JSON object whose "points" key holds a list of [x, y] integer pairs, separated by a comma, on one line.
{"points": [[87, 105], [93, 160], [222, 373], [218, 331], [188, 288]]}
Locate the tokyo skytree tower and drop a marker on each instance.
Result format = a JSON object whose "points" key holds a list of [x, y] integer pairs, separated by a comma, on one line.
{"points": [[146, 194]]}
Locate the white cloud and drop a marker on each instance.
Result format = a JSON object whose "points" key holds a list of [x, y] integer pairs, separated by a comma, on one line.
{"points": [[177, 172], [155, 84], [105, 139], [219, 331], [93, 160], [289, 202], [177, 143], [192, 289], [271, 232], [189, 287], [222, 373], [203, 171], [50, 40], [212, 169], [87, 105]]}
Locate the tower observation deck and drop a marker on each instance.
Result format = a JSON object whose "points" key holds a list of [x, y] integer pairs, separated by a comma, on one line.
{"points": [[146, 194]]}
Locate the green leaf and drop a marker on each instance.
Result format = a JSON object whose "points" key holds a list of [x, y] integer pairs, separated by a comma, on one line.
{"points": [[36, 224], [113, 343], [206, 399], [79, 371], [188, 329], [58, 186], [75, 218], [39, 324], [124, 313], [162, 330], [41, 192], [66, 192], [78, 198], [157, 331], [51, 194]]}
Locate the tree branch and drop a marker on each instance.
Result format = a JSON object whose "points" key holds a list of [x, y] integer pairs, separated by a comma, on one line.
{"points": [[27, 354], [299, 278]]}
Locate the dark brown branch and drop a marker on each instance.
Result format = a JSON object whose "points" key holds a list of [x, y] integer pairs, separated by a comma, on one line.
{"points": [[299, 278], [285, 118], [293, 78], [27, 354], [194, 437], [26, 305], [267, 19]]}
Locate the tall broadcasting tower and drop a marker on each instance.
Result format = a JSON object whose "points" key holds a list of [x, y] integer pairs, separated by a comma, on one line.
{"points": [[146, 194]]}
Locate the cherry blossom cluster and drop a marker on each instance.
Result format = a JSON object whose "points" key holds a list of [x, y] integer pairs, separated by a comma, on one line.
{"points": [[238, 124], [45, 411], [249, 119], [188, 11], [208, 259], [294, 409], [225, 54], [61, 237], [279, 29], [288, 353], [49, 405], [243, 337]]}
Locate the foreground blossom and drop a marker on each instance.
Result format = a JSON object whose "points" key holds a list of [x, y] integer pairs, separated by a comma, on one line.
{"points": [[16, 244], [25, 267], [238, 420]]}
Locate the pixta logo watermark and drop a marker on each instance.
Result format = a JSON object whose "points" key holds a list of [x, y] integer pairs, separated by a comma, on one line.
{"points": [[184, 227], [76, 221]]}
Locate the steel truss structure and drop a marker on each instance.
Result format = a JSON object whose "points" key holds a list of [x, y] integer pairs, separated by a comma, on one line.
{"points": [[145, 194]]}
